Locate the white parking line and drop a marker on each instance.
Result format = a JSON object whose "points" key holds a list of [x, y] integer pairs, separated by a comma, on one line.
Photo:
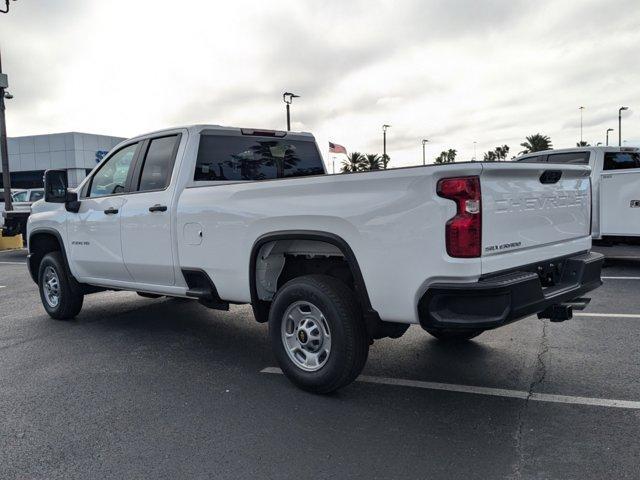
{"points": [[495, 392], [13, 263], [620, 278], [3, 286], [619, 315]]}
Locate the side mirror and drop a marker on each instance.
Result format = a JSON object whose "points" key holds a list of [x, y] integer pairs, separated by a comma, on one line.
{"points": [[56, 190], [55, 186]]}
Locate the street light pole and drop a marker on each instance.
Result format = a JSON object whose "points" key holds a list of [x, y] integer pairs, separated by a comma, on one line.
{"points": [[620, 124], [384, 141], [424, 158], [287, 97], [581, 109], [4, 151], [475, 158], [608, 130]]}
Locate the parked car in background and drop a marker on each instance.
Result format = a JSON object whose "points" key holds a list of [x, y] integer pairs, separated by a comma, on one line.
{"points": [[332, 262], [13, 192], [615, 179], [23, 199]]}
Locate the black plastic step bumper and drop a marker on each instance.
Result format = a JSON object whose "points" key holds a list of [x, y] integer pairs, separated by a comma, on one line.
{"points": [[498, 300]]}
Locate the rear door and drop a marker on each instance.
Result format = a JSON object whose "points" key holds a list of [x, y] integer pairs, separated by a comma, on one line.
{"points": [[147, 244], [620, 194], [529, 207]]}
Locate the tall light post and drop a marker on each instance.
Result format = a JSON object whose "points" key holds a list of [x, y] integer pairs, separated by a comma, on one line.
{"points": [[608, 130], [287, 97], [581, 109], [474, 151], [424, 158], [4, 151], [620, 124], [384, 141]]}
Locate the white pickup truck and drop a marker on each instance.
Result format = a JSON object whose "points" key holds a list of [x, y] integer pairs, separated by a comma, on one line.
{"points": [[615, 177], [332, 262]]}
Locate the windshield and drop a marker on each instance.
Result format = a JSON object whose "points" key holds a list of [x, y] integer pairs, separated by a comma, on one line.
{"points": [[20, 196]]}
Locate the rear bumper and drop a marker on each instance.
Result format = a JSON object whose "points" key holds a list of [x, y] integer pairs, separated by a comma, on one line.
{"points": [[498, 300]]}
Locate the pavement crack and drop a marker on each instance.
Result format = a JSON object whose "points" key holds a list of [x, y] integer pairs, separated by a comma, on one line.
{"points": [[539, 375]]}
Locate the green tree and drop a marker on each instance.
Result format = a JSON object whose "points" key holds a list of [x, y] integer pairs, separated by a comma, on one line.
{"points": [[536, 143], [353, 163], [448, 156], [490, 156], [372, 161], [384, 161], [502, 152], [582, 143]]}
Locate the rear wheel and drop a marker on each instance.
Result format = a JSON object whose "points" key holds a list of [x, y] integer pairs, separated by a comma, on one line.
{"points": [[317, 333], [61, 295], [453, 336]]}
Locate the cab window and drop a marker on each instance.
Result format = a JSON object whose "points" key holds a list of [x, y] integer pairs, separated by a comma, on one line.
{"points": [[112, 177], [575, 158], [36, 195], [20, 196], [158, 163], [535, 159], [621, 160]]}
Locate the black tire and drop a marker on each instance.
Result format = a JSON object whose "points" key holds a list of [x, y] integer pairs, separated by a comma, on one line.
{"points": [[348, 334], [70, 295], [454, 336]]}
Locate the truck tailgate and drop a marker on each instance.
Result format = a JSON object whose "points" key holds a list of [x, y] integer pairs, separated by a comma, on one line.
{"points": [[531, 207]]}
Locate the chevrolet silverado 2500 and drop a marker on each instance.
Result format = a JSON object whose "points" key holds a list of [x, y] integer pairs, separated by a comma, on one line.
{"points": [[332, 262]]}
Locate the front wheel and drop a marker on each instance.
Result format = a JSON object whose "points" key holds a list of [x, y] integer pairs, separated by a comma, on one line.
{"points": [[453, 336], [317, 333], [60, 293]]}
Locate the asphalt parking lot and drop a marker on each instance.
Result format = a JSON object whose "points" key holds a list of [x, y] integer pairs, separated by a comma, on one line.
{"points": [[141, 388]]}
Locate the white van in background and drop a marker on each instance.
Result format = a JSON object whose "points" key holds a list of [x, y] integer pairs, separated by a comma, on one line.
{"points": [[615, 177]]}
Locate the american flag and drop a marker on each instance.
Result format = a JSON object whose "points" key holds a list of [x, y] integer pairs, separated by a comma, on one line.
{"points": [[335, 148]]}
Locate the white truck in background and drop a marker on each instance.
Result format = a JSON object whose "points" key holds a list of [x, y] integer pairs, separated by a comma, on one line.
{"points": [[243, 216], [615, 180]]}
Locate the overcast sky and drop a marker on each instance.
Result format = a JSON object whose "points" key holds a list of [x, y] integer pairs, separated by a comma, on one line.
{"points": [[451, 71]]}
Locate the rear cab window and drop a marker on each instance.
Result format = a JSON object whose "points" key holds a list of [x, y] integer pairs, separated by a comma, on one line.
{"points": [[574, 158], [621, 160], [252, 158], [533, 159]]}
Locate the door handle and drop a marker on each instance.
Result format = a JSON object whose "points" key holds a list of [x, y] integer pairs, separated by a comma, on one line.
{"points": [[158, 208], [111, 211]]}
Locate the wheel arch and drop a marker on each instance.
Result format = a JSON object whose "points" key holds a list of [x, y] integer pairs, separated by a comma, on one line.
{"points": [[40, 242], [260, 307]]}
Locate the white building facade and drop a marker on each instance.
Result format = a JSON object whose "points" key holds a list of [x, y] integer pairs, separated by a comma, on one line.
{"points": [[77, 153]]}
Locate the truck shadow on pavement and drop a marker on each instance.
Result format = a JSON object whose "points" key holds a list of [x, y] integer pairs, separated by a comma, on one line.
{"points": [[234, 340]]}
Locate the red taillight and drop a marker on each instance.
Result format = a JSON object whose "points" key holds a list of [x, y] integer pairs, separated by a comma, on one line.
{"points": [[463, 233]]}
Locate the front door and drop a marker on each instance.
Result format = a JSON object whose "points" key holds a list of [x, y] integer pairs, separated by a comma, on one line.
{"points": [[95, 231]]}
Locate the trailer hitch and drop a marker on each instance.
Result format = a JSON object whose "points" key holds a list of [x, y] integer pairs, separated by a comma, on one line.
{"points": [[564, 311]]}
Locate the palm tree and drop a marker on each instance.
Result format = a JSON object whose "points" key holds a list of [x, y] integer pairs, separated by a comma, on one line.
{"points": [[536, 143], [502, 152], [372, 161], [448, 156], [353, 163], [490, 156], [384, 160], [582, 143]]}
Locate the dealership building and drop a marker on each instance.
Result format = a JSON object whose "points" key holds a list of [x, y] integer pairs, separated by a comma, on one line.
{"points": [[77, 153]]}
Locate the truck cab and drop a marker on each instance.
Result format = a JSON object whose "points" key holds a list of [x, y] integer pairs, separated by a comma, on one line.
{"points": [[615, 181]]}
